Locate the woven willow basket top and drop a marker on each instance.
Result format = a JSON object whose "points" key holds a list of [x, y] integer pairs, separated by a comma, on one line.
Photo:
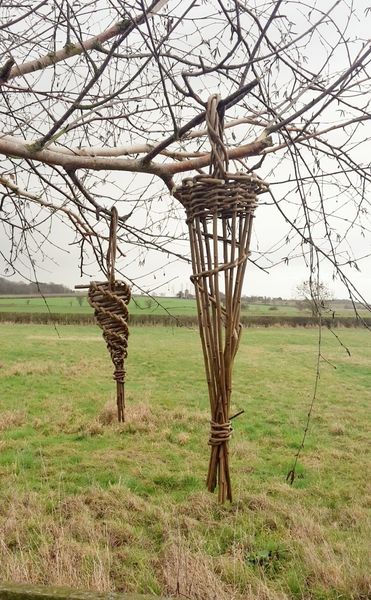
{"points": [[204, 196]]}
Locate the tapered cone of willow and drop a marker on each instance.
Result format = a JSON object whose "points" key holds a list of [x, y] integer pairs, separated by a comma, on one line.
{"points": [[220, 209], [111, 314], [109, 300]]}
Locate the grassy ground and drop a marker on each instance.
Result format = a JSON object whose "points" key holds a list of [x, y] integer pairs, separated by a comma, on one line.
{"points": [[138, 305], [144, 305], [85, 502], [39, 305]]}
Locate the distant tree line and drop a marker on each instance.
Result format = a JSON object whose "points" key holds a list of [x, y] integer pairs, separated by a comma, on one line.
{"points": [[263, 300], [10, 288]]}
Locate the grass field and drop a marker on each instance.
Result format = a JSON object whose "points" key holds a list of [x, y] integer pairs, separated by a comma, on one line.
{"points": [[88, 503], [138, 305], [144, 305]]}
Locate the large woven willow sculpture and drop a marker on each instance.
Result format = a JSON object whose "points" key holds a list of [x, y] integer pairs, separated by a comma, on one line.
{"points": [[219, 209], [109, 300]]}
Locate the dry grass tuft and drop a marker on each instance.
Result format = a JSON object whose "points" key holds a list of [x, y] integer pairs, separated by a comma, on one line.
{"points": [[183, 438], [360, 581], [94, 428], [337, 429], [73, 541], [245, 450], [106, 504], [138, 417], [48, 549], [305, 528], [261, 591], [191, 575], [32, 368], [11, 418], [321, 557], [108, 414], [186, 415], [321, 564], [139, 413], [85, 429], [252, 586], [259, 503], [199, 506], [194, 575], [351, 517]]}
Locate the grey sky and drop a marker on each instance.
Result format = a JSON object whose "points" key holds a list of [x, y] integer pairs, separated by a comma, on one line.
{"points": [[270, 230]]}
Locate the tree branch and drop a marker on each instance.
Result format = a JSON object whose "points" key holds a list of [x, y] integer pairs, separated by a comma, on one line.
{"points": [[71, 162], [224, 104], [71, 50]]}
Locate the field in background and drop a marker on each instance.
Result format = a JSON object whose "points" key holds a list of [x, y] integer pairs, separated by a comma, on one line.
{"points": [[160, 306], [88, 503]]}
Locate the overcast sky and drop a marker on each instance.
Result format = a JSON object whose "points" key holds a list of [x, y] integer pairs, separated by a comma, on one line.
{"points": [[169, 275], [164, 275]]}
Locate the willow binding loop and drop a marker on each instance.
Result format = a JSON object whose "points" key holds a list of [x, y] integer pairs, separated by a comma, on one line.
{"points": [[219, 209], [109, 300]]}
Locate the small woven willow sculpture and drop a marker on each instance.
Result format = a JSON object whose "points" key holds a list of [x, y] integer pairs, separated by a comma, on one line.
{"points": [[109, 300], [219, 209]]}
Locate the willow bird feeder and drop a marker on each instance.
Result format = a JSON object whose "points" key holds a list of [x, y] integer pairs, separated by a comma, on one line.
{"points": [[109, 300], [219, 210]]}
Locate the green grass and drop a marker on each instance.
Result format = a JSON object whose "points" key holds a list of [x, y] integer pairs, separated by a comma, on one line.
{"points": [[67, 305], [146, 305], [71, 305], [90, 503]]}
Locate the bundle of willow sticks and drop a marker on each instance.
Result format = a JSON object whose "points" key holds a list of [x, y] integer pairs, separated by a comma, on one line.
{"points": [[219, 208]]}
